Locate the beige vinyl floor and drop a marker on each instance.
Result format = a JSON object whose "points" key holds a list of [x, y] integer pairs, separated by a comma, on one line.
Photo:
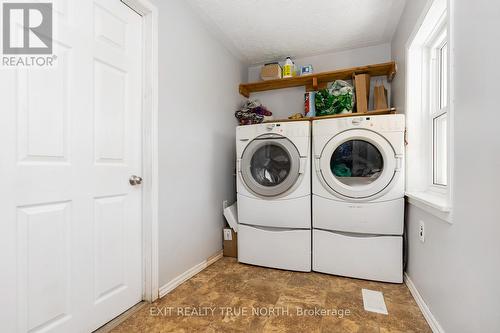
{"points": [[232, 297]]}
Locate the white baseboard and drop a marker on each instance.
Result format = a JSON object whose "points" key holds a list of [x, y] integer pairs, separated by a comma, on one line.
{"points": [[174, 283], [431, 320]]}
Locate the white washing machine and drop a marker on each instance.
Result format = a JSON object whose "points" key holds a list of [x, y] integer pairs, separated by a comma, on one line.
{"points": [[358, 196], [274, 195]]}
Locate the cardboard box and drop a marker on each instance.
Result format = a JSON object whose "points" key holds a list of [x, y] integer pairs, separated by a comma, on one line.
{"points": [[379, 97], [270, 72], [230, 243], [362, 88]]}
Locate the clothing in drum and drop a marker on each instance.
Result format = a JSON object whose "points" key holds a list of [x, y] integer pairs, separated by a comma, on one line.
{"points": [[356, 162], [270, 165]]}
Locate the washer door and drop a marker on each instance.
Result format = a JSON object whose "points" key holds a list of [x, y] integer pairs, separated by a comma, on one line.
{"points": [[358, 164], [270, 166]]}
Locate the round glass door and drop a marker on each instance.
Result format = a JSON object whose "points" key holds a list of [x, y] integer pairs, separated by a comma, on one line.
{"points": [[357, 163], [269, 167]]}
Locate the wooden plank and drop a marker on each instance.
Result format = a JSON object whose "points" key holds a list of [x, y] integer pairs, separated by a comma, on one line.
{"points": [[277, 84], [367, 114], [286, 120], [343, 115], [385, 69], [362, 88], [244, 91]]}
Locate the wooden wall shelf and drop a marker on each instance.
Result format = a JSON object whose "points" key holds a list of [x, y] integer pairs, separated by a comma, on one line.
{"points": [[343, 115], [317, 81]]}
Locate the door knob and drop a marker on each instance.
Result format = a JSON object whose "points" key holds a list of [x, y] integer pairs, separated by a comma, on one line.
{"points": [[135, 180]]}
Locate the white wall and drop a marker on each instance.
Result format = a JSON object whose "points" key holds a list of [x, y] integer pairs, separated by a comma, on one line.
{"points": [[457, 269], [198, 95], [285, 102]]}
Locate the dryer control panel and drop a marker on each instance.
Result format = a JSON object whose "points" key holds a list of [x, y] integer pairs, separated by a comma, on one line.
{"points": [[289, 130], [378, 123], [297, 132]]}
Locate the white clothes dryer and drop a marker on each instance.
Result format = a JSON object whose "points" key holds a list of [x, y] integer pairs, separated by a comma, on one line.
{"points": [[358, 196]]}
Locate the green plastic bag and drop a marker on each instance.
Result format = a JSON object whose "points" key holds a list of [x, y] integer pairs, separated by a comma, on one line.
{"points": [[338, 98]]}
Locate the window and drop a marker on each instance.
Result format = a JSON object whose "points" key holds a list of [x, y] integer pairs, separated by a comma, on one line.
{"points": [[438, 104], [428, 110]]}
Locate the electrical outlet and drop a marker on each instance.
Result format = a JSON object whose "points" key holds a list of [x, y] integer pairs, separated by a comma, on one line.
{"points": [[421, 231], [228, 235], [225, 204]]}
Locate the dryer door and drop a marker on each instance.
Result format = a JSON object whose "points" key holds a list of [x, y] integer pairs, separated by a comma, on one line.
{"points": [[358, 164], [270, 165]]}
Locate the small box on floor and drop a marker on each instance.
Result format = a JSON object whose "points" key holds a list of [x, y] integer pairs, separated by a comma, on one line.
{"points": [[230, 243]]}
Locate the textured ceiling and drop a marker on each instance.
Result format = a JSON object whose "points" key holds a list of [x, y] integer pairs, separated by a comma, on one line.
{"points": [[264, 30]]}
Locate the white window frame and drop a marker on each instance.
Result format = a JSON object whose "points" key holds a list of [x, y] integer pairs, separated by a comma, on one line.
{"points": [[432, 31], [437, 40]]}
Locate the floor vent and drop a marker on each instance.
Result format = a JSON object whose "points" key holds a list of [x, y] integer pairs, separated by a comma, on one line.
{"points": [[373, 301]]}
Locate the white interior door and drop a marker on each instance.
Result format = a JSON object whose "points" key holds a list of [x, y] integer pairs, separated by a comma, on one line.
{"points": [[71, 138]]}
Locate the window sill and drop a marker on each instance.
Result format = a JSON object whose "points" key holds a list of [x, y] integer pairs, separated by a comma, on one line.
{"points": [[433, 203]]}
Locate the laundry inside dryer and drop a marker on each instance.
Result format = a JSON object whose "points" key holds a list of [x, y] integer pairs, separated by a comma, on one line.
{"points": [[270, 165], [356, 162]]}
